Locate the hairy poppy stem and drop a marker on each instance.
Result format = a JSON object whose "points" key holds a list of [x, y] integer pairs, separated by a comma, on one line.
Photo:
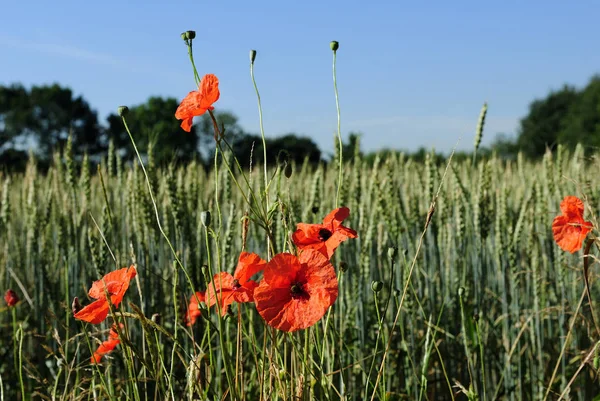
{"points": [[262, 134], [339, 132]]}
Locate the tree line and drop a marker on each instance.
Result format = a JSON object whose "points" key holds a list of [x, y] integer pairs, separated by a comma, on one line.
{"points": [[43, 117]]}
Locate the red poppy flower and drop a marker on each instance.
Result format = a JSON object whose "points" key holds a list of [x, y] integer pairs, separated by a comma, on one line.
{"points": [[570, 229], [115, 283], [193, 312], [11, 298], [106, 346], [197, 102], [237, 288], [325, 237], [296, 291]]}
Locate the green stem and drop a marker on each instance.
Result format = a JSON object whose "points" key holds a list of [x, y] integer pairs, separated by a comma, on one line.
{"points": [[339, 132]]}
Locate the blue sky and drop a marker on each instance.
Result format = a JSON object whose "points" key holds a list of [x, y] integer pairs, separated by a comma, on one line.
{"points": [[409, 74]]}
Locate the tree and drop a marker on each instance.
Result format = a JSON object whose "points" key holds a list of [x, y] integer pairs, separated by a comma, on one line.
{"points": [[545, 121], [297, 147], [48, 115], [582, 122]]}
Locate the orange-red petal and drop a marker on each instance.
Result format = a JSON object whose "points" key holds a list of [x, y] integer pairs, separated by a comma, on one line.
{"points": [[194, 308], [248, 265], [569, 234], [209, 87], [94, 313], [274, 297]]}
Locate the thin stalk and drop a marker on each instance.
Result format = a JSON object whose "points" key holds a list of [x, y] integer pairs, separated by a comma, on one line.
{"points": [[339, 131]]}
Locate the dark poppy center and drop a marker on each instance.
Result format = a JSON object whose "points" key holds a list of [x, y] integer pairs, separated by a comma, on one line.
{"points": [[297, 291], [324, 234], [236, 284]]}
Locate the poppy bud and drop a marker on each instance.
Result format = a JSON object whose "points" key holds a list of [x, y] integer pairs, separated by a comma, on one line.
{"points": [[183, 36], [315, 209], [288, 171], [75, 306], [392, 252], [205, 218], [205, 273], [155, 318], [252, 56], [11, 298], [397, 293], [190, 35], [123, 110], [282, 158], [334, 45], [476, 316], [461, 291], [343, 266], [376, 285]]}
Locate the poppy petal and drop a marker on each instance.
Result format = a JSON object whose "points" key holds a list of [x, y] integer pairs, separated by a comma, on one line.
{"points": [[281, 270], [569, 234], [335, 218], [248, 265], [94, 313], [209, 87], [245, 293], [572, 206]]}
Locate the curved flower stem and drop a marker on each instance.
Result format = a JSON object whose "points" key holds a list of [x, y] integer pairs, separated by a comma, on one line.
{"points": [[191, 54], [262, 134], [339, 132]]}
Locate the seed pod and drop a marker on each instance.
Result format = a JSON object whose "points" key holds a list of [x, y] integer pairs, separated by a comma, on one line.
{"points": [[205, 218], [123, 110], [376, 285]]}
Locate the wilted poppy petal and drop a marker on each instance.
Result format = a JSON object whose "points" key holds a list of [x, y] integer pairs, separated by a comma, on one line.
{"points": [[94, 313]]}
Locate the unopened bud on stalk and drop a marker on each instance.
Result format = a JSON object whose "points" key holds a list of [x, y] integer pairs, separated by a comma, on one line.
{"points": [[155, 318], [282, 158], [287, 171], [190, 35], [397, 293], [461, 291], [75, 305], [205, 218], [392, 252], [343, 266], [315, 209], [205, 273], [11, 298], [334, 45], [123, 110], [476, 316], [376, 285], [252, 56]]}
